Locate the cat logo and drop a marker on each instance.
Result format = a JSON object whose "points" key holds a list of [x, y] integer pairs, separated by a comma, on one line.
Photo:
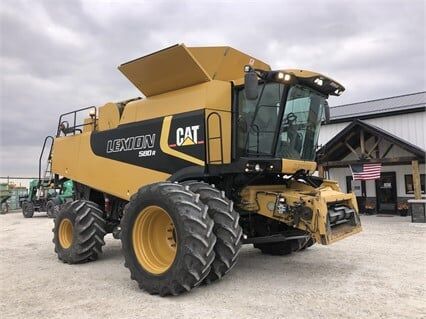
{"points": [[187, 136]]}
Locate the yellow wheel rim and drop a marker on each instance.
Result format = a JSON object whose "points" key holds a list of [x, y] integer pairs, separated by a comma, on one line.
{"points": [[154, 240], [65, 233]]}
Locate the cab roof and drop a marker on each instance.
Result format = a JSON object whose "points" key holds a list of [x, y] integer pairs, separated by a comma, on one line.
{"points": [[308, 78]]}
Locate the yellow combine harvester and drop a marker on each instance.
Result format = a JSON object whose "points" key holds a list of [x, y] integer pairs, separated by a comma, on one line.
{"points": [[220, 153]]}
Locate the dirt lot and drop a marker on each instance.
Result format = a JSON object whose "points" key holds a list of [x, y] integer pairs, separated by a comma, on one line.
{"points": [[379, 273]]}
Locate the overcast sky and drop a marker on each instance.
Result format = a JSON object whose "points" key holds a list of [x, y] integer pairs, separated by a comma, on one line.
{"points": [[56, 56]]}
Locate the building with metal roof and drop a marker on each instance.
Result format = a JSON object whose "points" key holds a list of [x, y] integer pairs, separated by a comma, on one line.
{"points": [[402, 104], [390, 131]]}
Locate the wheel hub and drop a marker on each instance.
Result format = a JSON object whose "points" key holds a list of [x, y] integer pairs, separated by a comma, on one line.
{"points": [[65, 233], [154, 240]]}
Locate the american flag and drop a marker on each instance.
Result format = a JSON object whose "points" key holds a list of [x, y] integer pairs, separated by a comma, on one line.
{"points": [[365, 172]]}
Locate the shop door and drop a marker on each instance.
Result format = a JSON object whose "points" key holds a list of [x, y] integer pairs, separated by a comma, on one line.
{"points": [[386, 193]]}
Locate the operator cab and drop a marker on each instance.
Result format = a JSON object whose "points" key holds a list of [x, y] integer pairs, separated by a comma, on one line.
{"points": [[280, 113]]}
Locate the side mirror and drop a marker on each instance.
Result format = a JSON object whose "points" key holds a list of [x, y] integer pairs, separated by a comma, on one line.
{"points": [[250, 83], [327, 112]]}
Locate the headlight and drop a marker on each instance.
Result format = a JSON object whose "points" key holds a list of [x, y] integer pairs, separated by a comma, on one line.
{"points": [[281, 76], [319, 81]]}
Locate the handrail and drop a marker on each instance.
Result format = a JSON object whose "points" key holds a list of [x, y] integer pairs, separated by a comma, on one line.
{"points": [[73, 128], [41, 156]]}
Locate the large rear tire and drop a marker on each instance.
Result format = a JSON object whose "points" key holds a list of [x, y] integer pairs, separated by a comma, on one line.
{"points": [[79, 232], [167, 238], [28, 209], [226, 228]]}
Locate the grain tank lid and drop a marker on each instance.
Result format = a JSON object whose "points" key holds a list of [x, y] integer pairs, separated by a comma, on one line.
{"points": [[170, 69], [179, 66], [225, 63]]}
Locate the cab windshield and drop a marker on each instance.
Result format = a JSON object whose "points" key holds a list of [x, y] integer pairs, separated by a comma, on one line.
{"points": [[265, 130]]}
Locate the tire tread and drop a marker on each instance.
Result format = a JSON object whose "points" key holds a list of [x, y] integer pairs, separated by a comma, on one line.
{"points": [[226, 228]]}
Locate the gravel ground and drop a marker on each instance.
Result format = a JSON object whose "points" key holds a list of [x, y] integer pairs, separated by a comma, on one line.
{"points": [[379, 273]]}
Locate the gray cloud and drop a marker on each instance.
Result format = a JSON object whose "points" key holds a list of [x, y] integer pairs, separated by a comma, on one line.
{"points": [[57, 56]]}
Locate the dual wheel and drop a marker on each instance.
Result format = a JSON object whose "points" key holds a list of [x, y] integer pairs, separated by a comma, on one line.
{"points": [[178, 236], [174, 236]]}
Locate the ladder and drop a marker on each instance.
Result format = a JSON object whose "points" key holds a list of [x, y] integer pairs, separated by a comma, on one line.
{"points": [[45, 178]]}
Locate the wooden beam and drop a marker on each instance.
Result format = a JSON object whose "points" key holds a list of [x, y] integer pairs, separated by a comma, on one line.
{"points": [[387, 151], [374, 146], [321, 171], [377, 155], [350, 136], [416, 179], [394, 160], [352, 150], [339, 144], [362, 141]]}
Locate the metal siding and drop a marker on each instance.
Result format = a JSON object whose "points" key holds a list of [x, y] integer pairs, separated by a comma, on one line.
{"points": [[327, 132]]}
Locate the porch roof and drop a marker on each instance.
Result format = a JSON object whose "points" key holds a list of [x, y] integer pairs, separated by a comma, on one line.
{"points": [[353, 136]]}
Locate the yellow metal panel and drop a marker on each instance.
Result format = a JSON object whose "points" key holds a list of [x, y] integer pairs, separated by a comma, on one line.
{"points": [[166, 70], [292, 166], [73, 158], [88, 125], [219, 95], [65, 154], [109, 117], [225, 63], [232, 67], [179, 101], [209, 57], [213, 94], [129, 113]]}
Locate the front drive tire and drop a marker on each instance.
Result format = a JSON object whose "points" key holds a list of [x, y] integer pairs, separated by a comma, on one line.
{"points": [[167, 239], [226, 228], [79, 232]]}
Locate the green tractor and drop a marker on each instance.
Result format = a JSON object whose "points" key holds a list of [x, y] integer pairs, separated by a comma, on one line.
{"points": [[47, 197], [5, 194]]}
